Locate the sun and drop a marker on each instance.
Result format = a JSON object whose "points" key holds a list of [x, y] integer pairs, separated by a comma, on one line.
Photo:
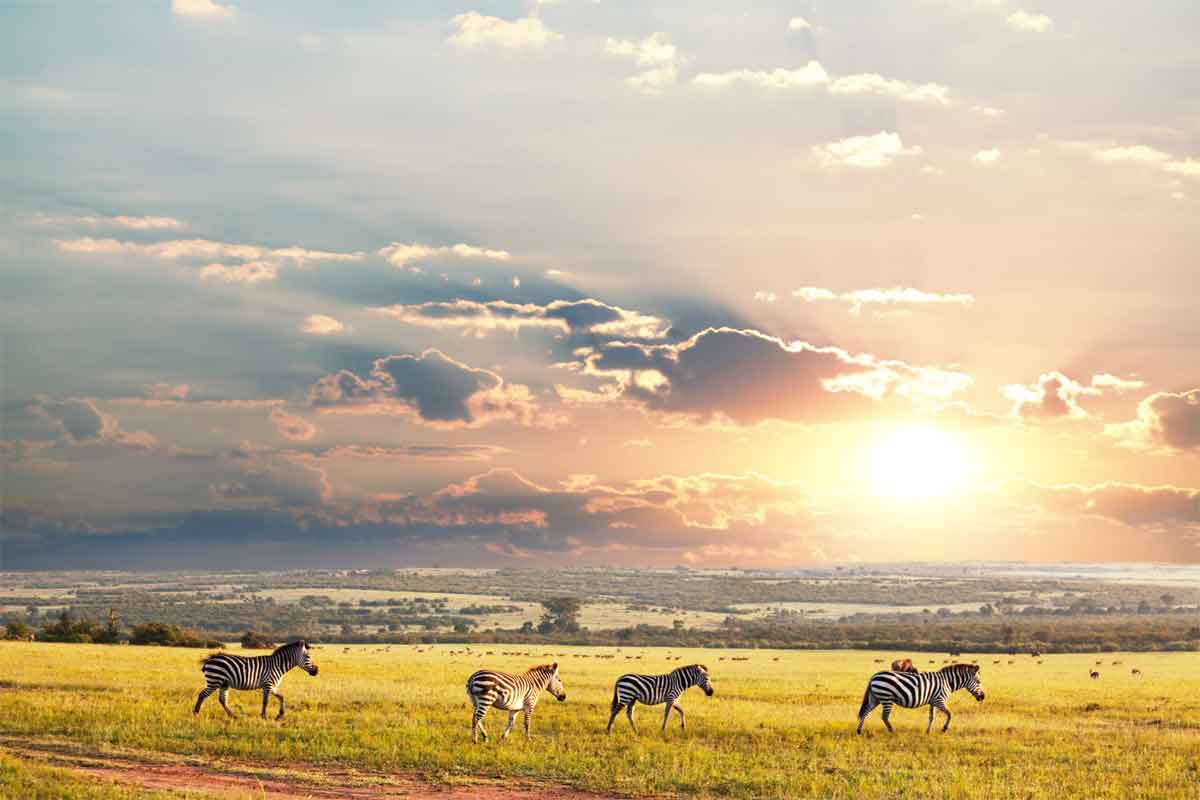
{"points": [[917, 462]]}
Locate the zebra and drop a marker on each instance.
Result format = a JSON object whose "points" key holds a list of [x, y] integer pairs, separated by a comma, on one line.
{"points": [[654, 689], [913, 690], [512, 693], [225, 671]]}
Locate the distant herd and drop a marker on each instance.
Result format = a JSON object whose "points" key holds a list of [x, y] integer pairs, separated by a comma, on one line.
{"points": [[903, 685]]}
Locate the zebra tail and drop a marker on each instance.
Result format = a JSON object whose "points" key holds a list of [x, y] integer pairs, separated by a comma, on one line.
{"points": [[866, 703], [615, 703]]}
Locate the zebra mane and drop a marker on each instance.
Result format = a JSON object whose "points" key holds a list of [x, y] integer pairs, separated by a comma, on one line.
{"points": [[296, 645], [960, 666], [543, 668]]}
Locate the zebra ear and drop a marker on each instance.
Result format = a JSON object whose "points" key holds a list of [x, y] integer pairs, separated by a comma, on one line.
{"points": [[554, 666]]}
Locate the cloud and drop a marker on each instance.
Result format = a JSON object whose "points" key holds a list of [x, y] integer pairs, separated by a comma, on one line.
{"points": [[1137, 153], [1127, 503], [77, 421], [271, 482], [146, 223], [799, 24], [1189, 167], [402, 255], [1167, 422], [364, 452], [201, 9], [659, 58], [866, 152], [895, 296], [321, 325], [743, 377], [566, 316], [1023, 20], [292, 427], [432, 388], [477, 30], [253, 263], [811, 74], [986, 157], [988, 111], [1056, 396], [871, 83]]}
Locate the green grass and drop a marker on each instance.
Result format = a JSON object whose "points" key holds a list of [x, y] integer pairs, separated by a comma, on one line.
{"points": [[780, 725]]}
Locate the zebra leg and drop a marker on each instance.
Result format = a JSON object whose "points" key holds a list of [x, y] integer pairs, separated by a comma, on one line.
{"points": [[477, 729], [887, 712], [616, 709], [277, 694], [528, 713], [629, 713], [266, 696], [667, 715], [680, 710], [204, 693], [868, 706], [929, 727], [224, 693], [512, 717], [946, 711]]}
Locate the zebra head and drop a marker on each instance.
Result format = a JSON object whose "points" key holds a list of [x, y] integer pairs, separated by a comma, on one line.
{"points": [[700, 674], [973, 683], [302, 658], [555, 684]]}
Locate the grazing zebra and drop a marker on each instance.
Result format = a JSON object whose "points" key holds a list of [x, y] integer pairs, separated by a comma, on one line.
{"points": [[225, 671], [913, 690], [654, 689], [512, 693]]}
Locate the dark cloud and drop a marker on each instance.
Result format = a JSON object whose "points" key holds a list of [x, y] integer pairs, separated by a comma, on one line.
{"points": [[79, 422], [575, 317], [747, 377], [433, 388], [1127, 503], [1166, 421]]}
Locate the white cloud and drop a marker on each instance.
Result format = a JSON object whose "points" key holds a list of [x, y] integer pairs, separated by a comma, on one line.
{"points": [[1023, 20], [475, 29], [872, 83], [799, 24], [400, 254], [146, 223], [322, 325], [898, 295], [986, 157], [175, 249], [1138, 153], [200, 9], [1189, 167], [811, 74], [988, 111], [870, 152], [656, 54], [249, 272]]}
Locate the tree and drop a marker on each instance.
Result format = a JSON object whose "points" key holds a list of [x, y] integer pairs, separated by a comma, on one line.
{"points": [[677, 625], [18, 631], [562, 615], [253, 640]]}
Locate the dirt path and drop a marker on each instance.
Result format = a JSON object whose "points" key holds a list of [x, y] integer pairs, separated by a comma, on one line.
{"points": [[222, 777]]}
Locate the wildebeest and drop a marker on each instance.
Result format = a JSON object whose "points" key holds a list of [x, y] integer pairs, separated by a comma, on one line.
{"points": [[904, 665], [1135, 671], [1095, 675]]}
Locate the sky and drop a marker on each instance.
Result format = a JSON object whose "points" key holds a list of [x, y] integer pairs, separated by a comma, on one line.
{"points": [[587, 282]]}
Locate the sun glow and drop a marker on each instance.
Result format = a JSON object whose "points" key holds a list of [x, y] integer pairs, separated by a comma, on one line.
{"points": [[918, 463]]}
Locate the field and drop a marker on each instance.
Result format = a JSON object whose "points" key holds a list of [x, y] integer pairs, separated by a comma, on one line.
{"points": [[116, 721]]}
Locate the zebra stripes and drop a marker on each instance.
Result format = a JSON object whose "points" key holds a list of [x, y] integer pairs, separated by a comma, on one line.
{"points": [[512, 693], [654, 689], [225, 671], [913, 690]]}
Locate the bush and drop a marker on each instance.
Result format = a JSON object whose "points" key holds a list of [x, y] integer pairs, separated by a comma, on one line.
{"points": [[253, 640], [162, 634], [18, 631]]}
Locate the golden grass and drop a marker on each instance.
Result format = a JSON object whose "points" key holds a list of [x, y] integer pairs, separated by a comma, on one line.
{"points": [[781, 723]]}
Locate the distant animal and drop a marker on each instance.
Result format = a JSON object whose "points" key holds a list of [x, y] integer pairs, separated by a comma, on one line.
{"points": [[1098, 663], [913, 690], [1095, 675], [225, 671], [1035, 653], [511, 693], [1135, 671], [904, 665], [879, 661], [652, 690]]}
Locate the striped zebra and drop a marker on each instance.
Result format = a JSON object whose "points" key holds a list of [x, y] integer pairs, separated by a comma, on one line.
{"points": [[225, 671], [511, 693], [913, 690], [654, 689]]}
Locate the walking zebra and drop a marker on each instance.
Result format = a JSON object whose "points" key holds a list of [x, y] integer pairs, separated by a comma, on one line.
{"points": [[512, 693], [654, 689], [224, 671], [913, 690]]}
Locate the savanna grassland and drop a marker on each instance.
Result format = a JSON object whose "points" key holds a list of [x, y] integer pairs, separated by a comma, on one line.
{"points": [[780, 725]]}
